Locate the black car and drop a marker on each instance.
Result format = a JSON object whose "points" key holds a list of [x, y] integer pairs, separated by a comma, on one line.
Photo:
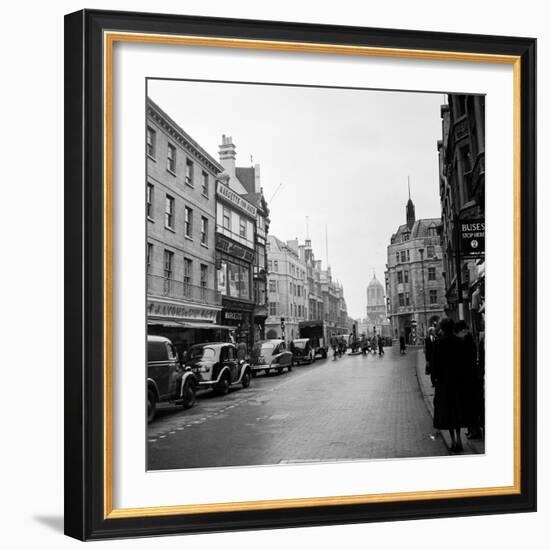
{"points": [[303, 351], [167, 382], [216, 366]]}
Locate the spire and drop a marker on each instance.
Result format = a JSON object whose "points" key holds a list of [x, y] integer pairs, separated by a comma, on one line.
{"points": [[411, 217]]}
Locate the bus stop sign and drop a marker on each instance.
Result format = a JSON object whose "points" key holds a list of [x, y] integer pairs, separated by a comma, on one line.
{"points": [[472, 237]]}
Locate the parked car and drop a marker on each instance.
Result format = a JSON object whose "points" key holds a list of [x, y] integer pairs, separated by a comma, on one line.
{"points": [[167, 381], [216, 366], [271, 355], [303, 351]]}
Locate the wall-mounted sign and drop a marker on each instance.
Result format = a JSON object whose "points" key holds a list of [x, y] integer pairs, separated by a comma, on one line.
{"points": [[179, 311], [472, 237], [234, 249], [235, 199], [235, 316]]}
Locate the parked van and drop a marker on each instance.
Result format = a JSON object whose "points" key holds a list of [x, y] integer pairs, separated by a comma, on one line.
{"points": [[167, 381]]}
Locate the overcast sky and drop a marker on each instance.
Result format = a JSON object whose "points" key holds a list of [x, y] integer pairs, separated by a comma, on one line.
{"points": [[342, 157]]}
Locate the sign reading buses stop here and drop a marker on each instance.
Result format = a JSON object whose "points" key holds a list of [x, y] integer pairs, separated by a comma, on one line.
{"points": [[472, 237]]}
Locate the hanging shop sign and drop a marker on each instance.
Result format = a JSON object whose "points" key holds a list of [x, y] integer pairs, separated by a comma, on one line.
{"points": [[236, 200], [472, 237]]}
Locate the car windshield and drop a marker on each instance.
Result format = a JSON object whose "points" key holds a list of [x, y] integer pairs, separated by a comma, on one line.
{"points": [[300, 344], [202, 352]]}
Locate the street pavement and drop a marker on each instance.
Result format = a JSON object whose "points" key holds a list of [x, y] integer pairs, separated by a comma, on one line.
{"points": [[471, 446], [356, 407]]}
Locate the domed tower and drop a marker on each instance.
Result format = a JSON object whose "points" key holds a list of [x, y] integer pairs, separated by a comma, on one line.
{"points": [[376, 303]]}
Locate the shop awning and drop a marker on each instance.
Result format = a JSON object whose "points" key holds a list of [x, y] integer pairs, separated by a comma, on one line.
{"points": [[204, 325], [164, 323]]}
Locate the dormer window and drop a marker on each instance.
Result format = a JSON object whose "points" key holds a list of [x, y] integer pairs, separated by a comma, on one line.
{"points": [[406, 236]]}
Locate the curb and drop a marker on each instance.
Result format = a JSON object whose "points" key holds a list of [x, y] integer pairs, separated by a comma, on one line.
{"points": [[427, 392]]}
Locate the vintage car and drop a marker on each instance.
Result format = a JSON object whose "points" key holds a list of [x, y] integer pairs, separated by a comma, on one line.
{"points": [[271, 356], [216, 366], [303, 351], [167, 381]]}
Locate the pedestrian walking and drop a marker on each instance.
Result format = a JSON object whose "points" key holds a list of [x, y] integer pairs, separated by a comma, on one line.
{"points": [[473, 380], [335, 350], [402, 346], [380, 346], [450, 376], [241, 350]]}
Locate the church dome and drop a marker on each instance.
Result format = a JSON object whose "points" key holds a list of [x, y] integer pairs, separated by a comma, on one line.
{"points": [[375, 283]]}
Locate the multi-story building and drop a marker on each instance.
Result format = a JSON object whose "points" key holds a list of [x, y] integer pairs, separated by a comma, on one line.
{"points": [[182, 300], [334, 304], [250, 179], [287, 291], [462, 193], [315, 308], [415, 287], [235, 247]]}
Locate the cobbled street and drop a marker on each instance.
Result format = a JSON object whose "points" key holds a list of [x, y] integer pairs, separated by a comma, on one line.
{"points": [[356, 407]]}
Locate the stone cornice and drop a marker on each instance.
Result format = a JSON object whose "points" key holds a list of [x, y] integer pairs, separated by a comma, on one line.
{"points": [[155, 113]]}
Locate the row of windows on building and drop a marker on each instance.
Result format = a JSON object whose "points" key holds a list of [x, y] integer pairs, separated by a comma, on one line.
{"points": [[404, 255], [432, 232], [171, 163], [405, 298], [403, 276], [236, 226], [296, 310], [170, 216], [293, 288], [295, 271], [168, 267]]}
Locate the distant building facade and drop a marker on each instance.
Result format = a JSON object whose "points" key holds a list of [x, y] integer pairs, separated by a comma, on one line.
{"points": [[415, 287], [314, 291], [182, 299], [301, 290], [462, 194], [377, 317], [287, 292]]}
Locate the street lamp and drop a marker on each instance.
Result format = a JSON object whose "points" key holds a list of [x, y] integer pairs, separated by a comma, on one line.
{"points": [[421, 251]]}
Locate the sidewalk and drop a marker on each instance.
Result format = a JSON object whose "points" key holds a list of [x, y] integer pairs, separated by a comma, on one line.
{"points": [[471, 446]]}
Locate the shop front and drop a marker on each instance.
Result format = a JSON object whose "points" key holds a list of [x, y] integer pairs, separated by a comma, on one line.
{"points": [[185, 324], [240, 317]]}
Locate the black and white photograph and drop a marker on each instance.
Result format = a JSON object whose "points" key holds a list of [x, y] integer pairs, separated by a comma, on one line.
{"points": [[315, 263]]}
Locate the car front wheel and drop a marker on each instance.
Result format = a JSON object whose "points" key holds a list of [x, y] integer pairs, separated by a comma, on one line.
{"points": [[189, 394], [223, 386], [246, 379]]}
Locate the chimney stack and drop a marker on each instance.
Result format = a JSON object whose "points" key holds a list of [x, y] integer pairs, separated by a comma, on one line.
{"points": [[228, 154]]}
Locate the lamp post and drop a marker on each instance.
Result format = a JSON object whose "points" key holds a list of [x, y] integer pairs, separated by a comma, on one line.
{"points": [[421, 251]]}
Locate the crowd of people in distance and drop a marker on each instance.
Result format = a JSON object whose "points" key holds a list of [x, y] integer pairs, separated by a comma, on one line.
{"points": [[457, 370], [364, 344]]}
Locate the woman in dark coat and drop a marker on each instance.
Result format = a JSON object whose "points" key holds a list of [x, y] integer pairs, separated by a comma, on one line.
{"points": [[474, 380], [451, 380]]}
